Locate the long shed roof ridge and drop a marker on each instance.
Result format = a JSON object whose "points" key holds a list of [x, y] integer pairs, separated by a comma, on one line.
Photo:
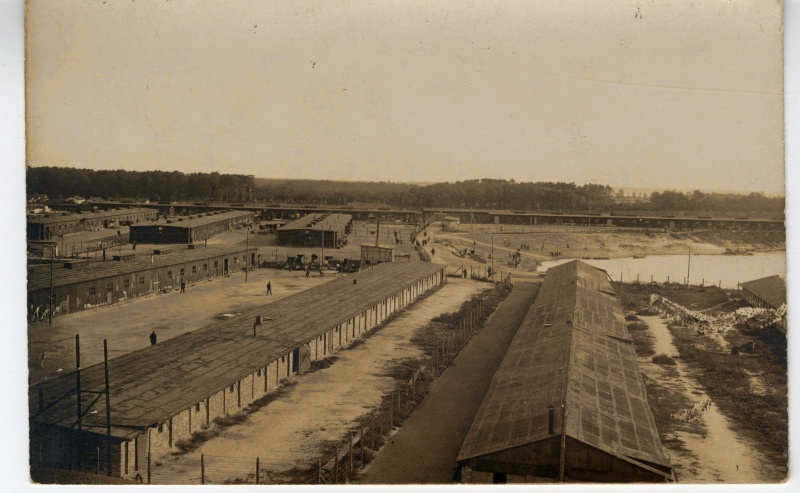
{"points": [[152, 384], [588, 358]]}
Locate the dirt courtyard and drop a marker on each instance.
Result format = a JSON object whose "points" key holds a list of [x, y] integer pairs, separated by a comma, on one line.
{"points": [[317, 407]]}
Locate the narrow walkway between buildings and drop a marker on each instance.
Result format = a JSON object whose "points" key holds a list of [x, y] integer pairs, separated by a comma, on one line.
{"points": [[424, 449]]}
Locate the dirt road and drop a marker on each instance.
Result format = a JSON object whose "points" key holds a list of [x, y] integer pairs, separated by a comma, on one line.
{"points": [[698, 458], [424, 449]]}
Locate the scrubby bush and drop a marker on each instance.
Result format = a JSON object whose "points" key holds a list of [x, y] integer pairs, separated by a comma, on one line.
{"points": [[663, 359], [637, 326]]}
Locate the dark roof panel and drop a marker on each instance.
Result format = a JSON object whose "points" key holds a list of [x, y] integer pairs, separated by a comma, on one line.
{"points": [[58, 217], [771, 289], [95, 270], [572, 346], [196, 220], [155, 383], [320, 222]]}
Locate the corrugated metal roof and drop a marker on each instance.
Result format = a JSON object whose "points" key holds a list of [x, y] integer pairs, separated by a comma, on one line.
{"points": [[572, 345], [196, 220], [39, 278], [771, 289], [326, 222], [153, 384], [56, 217]]}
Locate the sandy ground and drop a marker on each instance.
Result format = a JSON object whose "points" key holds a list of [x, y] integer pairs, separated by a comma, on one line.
{"points": [[127, 325], [321, 405], [719, 455], [424, 449], [573, 242]]}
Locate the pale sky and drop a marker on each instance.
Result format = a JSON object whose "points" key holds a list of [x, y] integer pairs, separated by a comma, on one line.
{"points": [[662, 94]]}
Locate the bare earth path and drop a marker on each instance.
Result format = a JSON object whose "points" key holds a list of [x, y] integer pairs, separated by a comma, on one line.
{"points": [[321, 405], [702, 460], [424, 449]]}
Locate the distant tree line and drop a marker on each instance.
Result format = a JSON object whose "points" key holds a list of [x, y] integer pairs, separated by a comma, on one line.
{"points": [[709, 202], [61, 183]]}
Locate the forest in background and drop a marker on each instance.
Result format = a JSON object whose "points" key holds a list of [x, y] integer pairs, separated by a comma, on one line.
{"points": [[160, 186]]}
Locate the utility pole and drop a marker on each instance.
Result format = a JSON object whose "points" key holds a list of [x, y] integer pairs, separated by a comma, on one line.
{"points": [[689, 265], [78, 379], [246, 253], [50, 301], [108, 409], [492, 255]]}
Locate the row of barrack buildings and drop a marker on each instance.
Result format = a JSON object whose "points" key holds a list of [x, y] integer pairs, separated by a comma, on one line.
{"points": [[162, 394]]}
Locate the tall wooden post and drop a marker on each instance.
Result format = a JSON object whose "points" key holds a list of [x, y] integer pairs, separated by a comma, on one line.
{"points": [[372, 419], [50, 300], [361, 441], [350, 457], [202, 469], [108, 408], [563, 459], [78, 378], [391, 411], [336, 465]]}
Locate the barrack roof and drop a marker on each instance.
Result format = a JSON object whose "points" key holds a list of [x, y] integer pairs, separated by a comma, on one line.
{"points": [[196, 220], [153, 384], [319, 222], [39, 278], [572, 346], [58, 217], [771, 289]]}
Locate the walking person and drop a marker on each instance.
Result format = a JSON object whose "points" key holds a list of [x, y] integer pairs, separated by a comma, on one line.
{"points": [[269, 287], [183, 286], [153, 338]]}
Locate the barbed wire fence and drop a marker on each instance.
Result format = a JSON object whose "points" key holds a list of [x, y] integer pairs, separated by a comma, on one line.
{"points": [[361, 443]]}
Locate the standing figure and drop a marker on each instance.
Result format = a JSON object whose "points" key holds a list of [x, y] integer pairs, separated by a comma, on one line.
{"points": [[269, 287], [153, 338]]}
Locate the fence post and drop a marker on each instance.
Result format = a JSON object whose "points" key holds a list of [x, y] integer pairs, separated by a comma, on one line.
{"points": [[391, 411], [399, 404], [350, 457], [258, 470], [383, 414], [319, 471], [97, 461], [336, 465], [372, 415], [361, 440], [202, 470]]}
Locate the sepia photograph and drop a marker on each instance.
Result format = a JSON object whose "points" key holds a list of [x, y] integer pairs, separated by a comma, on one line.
{"points": [[408, 242]]}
